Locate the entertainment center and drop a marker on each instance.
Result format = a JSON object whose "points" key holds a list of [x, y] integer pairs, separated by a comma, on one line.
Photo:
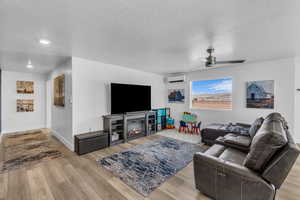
{"points": [[131, 117], [124, 127], [121, 128]]}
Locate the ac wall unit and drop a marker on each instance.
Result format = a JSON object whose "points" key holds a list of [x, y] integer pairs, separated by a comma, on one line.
{"points": [[176, 79]]}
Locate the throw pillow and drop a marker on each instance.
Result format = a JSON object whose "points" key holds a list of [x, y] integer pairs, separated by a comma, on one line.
{"points": [[255, 127]]}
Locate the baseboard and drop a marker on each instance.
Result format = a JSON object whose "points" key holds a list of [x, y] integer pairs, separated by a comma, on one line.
{"points": [[20, 130], [63, 140]]}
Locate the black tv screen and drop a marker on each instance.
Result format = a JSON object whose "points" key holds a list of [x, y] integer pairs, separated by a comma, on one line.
{"points": [[129, 98]]}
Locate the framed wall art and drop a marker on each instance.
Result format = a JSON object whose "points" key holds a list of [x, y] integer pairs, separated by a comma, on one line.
{"points": [[260, 94], [25, 105], [25, 87], [59, 90], [176, 96]]}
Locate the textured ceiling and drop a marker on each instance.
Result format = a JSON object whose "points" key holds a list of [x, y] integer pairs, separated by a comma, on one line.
{"points": [[157, 36]]}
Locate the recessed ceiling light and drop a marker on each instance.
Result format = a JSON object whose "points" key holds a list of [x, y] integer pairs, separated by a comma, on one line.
{"points": [[29, 65], [45, 41]]}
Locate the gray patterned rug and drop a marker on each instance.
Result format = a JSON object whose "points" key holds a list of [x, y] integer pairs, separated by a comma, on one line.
{"points": [[26, 149], [145, 167]]}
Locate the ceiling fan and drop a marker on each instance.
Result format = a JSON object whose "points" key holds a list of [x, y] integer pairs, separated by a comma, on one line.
{"points": [[211, 60]]}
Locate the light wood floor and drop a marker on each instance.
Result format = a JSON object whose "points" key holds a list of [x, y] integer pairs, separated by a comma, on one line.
{"points": [[80, 178]]}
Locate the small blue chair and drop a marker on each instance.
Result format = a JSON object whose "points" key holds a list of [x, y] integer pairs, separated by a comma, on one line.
{"points": [[183, 127]]}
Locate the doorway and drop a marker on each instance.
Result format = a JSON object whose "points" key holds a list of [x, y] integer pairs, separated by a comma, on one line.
{"points": [[48, 103]]}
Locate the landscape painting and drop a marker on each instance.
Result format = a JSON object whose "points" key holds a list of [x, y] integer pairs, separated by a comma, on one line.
{"points": [[25, 105], [212, 94], [59, 90], [260, 94], [25, 87], [176, 96]]}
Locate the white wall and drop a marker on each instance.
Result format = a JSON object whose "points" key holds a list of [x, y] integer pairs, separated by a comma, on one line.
{"points": [[61, 117], [297, 100], [12, 120], [91, 92], [282, 71]]}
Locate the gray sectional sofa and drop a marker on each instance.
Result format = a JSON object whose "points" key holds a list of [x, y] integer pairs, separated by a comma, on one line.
{"points": [[240, 167], [211, 132]]}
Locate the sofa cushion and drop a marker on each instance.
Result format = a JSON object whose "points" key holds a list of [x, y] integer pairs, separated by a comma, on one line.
{"points": [[216, 150], [255, 126], [269, 139], [237, 139], [233, 155], [221, 140]]}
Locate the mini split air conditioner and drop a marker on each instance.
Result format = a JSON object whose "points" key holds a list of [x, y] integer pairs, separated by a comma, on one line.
{"points": [[176, 79]]}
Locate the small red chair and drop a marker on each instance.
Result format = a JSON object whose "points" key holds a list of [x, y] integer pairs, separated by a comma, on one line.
{"points": [[196, 128]]}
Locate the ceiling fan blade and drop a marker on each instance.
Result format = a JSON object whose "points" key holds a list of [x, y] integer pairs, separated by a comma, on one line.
{"points": [[230, 62]]}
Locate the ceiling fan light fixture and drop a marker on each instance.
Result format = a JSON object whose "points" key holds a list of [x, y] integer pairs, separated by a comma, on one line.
{"points": [[211, 60]]}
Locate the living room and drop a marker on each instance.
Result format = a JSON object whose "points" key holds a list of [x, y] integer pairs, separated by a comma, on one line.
{"points": [[149, 100]]}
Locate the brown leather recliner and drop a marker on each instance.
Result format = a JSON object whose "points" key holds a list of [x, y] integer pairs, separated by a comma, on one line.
{"points": [[227, 173]]}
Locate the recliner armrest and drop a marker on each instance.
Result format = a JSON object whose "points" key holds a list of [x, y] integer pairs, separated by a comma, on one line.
{"points": [[232, 167], [218, 178]]}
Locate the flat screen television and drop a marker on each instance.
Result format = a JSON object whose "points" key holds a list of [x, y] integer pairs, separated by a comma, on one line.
{"points": [[129, 98]]}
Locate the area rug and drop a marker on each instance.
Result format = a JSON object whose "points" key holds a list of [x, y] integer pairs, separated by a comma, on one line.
{"points": [[28, 148], [145, 167]]}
